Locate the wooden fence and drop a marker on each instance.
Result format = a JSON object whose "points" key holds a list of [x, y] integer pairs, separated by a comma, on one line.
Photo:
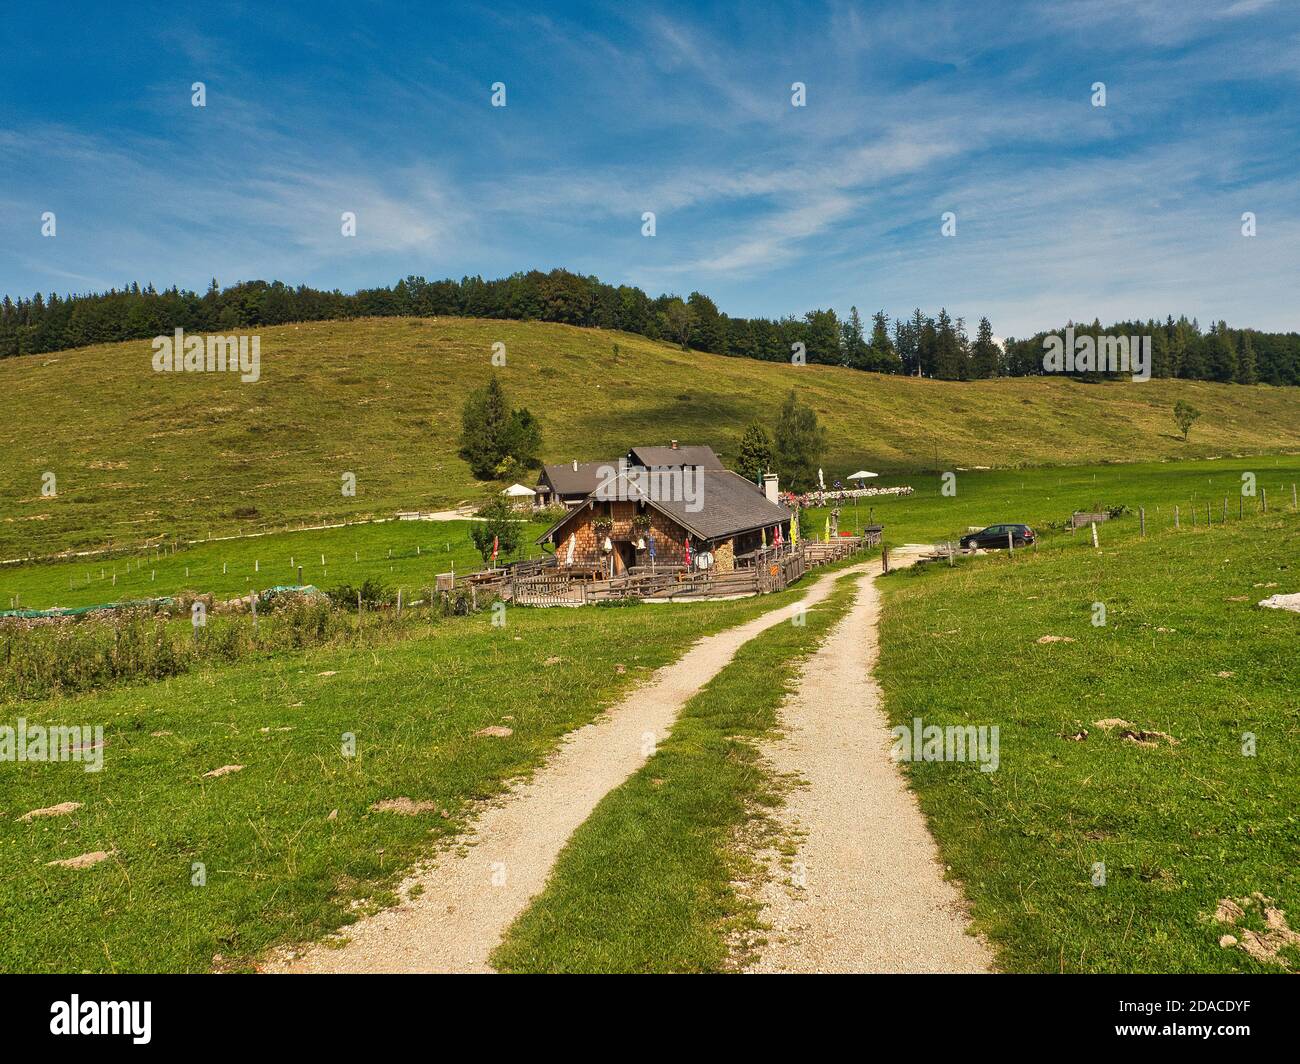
{"points": [[543, 583]]}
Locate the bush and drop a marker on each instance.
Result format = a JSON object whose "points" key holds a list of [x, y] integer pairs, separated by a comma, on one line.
{"points": [[549, 515], [373, 594]]}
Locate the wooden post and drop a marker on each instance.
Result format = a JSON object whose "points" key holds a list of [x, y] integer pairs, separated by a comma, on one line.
{"points": [[1176, 524], [951, 560], [254, 611], [1011, 545], [300, 576], [399, 602], [1142, 521], [1225, 509], [358, 603], [1263, 500], [1293, 505], [884, 559], [1094, 534], [1241, 507]]}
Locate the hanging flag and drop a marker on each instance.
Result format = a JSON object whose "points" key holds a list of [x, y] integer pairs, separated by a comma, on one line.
{"points": [[650, 544], [496, 545], [828, 529], [688, 553], [776, 537], [763, 532], [794, 528]]}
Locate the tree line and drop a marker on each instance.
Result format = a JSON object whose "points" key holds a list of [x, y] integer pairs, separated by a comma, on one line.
{"points": [[920, 345]]}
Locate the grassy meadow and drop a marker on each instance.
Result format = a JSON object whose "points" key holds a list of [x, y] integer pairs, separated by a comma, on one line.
{"points": [[193, 455], [1048, 495], [289, 845], [408, 554], [399, 554], [1178, 824]]}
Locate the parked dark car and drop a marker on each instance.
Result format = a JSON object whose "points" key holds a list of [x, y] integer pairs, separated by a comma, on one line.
{"points": [[995, 536]]}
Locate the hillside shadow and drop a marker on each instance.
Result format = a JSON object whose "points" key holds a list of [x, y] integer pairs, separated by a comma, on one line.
{"points": [[692, 417]]}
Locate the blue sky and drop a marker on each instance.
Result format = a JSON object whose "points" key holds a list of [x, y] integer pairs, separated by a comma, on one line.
{"points": [[913, 109]]}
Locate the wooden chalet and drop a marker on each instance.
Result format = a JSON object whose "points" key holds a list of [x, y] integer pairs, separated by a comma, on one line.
{"points": [[642, 514]]}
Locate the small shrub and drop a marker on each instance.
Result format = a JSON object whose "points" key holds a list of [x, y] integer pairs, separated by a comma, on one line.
{"points": [[373, 595]]}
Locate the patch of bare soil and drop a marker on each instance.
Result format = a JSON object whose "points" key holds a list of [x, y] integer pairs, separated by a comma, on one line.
{"points": [[85, 860], [62, 809], [1265, 946], [404, 806]]}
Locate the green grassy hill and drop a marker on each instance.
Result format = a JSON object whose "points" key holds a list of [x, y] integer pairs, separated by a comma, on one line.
{"points": [[138, 454]]}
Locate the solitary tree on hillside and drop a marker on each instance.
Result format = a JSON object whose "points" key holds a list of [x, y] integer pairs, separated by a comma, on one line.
{"points": [[1184, 415], [678, 320], [495, 440], [800, 444], [755, 452]]}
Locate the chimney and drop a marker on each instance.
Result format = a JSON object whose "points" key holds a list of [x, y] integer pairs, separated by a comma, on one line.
{"points": [[575, 465], [673, 445], [769, 487]]}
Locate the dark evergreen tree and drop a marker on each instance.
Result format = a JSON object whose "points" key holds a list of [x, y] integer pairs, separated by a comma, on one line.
{"points": [[799, 444], [985, 356], [755, 457]]}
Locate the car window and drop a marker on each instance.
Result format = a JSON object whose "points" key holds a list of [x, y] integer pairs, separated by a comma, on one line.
{"points": [[993, 530]]}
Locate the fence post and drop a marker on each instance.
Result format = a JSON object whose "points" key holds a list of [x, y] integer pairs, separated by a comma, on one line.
{"points": [[399, 602], [1241, 507], [1263, 500], [1094, 534], [884, 559], [1176, 524], [1011, 544], [1142, 520]]}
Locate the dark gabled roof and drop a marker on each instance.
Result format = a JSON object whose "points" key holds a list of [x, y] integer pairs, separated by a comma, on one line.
{"points": [[694, 455], [568, 481], [728, 505]]}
